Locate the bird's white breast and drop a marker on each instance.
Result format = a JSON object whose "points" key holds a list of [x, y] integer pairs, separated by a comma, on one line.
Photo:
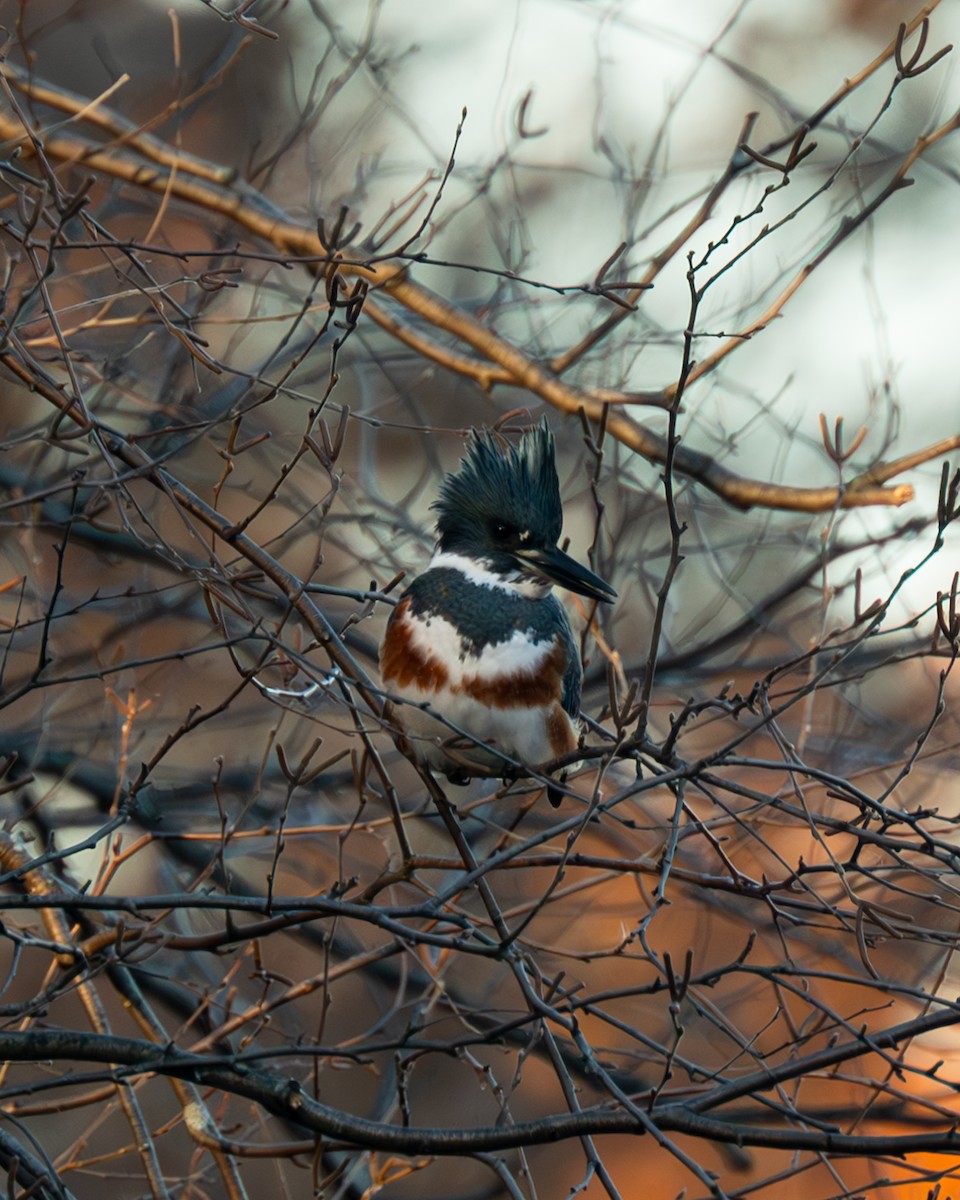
{"points": [[437, 638], [446, 734]]}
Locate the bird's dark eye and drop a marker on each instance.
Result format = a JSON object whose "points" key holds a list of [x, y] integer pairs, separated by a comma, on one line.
{"points": [[503, 531]]}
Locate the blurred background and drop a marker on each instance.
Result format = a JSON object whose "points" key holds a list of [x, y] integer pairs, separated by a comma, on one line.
{"points": [[264, 265]]}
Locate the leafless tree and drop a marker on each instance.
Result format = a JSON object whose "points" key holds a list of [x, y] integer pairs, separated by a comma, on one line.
{"points": [[247, 945]]}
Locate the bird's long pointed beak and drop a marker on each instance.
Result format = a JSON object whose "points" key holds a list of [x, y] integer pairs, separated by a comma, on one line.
{"points": [[553, 564]]}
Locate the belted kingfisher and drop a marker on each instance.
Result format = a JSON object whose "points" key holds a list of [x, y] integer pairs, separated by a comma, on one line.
{"points": [[479, 640]]}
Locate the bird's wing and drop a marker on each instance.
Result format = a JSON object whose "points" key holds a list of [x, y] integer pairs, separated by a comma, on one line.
{"points": [[572, 675]]}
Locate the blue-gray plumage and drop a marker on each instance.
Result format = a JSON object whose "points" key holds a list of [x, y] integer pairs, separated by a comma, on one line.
{"points": [[480, 624]]}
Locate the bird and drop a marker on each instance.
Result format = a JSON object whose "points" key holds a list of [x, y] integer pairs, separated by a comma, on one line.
{"points": [[478, 659]]}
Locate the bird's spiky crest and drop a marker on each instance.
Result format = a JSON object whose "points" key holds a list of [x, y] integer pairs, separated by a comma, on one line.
{"points": [[499, 482]]}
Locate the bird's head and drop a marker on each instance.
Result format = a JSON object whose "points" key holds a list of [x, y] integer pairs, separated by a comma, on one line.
{"points": [[502, 509]]}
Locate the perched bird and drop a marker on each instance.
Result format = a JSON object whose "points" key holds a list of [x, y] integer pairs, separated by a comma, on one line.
{"points": [[478, 651]]}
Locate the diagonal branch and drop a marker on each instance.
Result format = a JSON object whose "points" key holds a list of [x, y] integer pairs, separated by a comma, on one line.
{"points": [[199, 184]]}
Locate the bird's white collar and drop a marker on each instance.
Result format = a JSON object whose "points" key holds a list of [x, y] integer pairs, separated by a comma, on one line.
{"points": [[519, 584]]}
